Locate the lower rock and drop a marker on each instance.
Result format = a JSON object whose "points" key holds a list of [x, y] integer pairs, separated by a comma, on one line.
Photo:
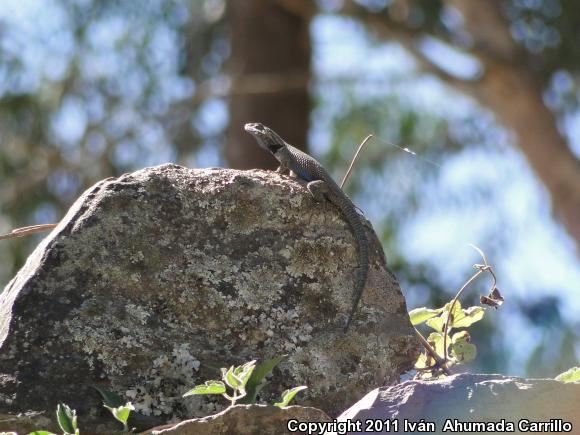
{"points": [[468, 403], [246, 420]]}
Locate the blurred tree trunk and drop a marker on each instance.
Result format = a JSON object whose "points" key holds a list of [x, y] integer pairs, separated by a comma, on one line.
{"points": [[270, 69]]}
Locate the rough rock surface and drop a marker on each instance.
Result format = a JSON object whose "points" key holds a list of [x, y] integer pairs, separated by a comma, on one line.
{"points": [[473, 398], [156, 279], [244, 420]]}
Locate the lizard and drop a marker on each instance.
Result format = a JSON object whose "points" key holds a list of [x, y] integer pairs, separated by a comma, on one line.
{"points": [[321, 185]]}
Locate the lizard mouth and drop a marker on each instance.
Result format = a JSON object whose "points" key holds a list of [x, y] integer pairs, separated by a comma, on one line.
{"points": [[255, 128]]}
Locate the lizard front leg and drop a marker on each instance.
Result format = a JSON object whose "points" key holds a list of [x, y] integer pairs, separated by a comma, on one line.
{"points": [[283, 170], [319, 190]]}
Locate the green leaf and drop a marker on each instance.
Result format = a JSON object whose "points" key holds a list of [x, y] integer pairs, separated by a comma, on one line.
{"points": [[436, 340], [122, 413], [467, 317], [572, 375], [461, 349], [288, 395], [229, 378], [67, 419], [244, 372], [237, 377], [110, 398], [36, 432], [421, 362], [258, 378], [420, 315], [436, 323], [209, 387], [457, 312]]}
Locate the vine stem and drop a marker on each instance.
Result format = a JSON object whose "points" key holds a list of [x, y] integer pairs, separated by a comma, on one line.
{"points": [[450, 312], [485, 267]]}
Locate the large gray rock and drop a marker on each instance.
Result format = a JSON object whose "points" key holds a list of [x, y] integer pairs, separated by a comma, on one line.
{"points": [[156, 279], [462, 401]]}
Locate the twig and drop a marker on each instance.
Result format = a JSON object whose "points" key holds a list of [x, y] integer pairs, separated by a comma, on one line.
{"points": [[354, 159], [26, 231], [440, 361]]}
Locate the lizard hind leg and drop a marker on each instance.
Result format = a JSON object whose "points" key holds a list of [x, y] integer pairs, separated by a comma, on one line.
{"points": [[319, 190]]}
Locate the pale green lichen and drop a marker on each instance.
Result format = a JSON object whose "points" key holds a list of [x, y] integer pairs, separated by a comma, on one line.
{"points": [[138, 313], [137, 257], [168, 378]]}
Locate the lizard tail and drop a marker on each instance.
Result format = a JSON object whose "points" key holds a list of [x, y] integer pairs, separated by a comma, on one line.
{"points": [[356, 223]]}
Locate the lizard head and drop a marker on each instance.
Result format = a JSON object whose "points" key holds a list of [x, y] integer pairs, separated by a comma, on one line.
{"points": [[265, 136]]}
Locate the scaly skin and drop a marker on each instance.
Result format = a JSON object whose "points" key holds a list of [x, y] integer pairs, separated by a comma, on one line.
{"points": [[320, 184]]}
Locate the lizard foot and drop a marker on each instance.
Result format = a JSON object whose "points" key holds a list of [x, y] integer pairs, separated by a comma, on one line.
{"points": [[283, 170]]}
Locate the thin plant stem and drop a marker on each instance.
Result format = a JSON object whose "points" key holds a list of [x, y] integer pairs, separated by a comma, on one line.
{"points": [[450, 312], [440, 361], [354, 159], [26, 231], [480, 269]]}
